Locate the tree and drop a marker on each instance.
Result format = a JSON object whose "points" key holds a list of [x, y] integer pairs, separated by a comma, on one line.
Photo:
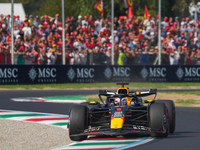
{"points": [[86, 7]]}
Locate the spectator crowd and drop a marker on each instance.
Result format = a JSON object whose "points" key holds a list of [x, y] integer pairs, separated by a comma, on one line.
{"points": [[38, 40]]}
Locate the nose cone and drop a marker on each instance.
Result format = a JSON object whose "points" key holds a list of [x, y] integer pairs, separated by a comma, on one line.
{"points": [[116, 123]]}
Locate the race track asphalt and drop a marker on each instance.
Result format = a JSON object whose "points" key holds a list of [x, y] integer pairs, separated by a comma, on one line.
{"points": [[185, 137]]}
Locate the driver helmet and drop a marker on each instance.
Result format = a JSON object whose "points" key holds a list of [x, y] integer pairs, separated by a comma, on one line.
{"points": [[117, 101], [123, 101]]}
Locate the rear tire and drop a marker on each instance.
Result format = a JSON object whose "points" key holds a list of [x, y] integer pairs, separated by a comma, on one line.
{"points": [[158, 120], [172, 114], [78, 122]]}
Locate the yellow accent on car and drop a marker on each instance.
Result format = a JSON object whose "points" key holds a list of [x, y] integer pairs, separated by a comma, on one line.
{"points": [[137, 93], [127, 90], [92, 102], [149, 100], [116, 123]]}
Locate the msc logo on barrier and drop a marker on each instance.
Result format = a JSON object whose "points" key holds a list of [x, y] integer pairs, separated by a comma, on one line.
{"points": [[43, 74], [71, 74], [154, 73], [189, 73], [179, 73], [116, 73], [8, 75], [81, 74]]}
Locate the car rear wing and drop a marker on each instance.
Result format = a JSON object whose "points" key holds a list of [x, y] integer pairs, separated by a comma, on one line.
{"points": [[131, 94]]}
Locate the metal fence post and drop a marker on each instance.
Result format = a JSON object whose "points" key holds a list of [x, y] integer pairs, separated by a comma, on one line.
{"points": [[159, 33], [63, 32], [12, 36]]}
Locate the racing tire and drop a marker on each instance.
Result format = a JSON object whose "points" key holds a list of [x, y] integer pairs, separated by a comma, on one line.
{"points": [[172, 114], [78, 122], [159, 120]]}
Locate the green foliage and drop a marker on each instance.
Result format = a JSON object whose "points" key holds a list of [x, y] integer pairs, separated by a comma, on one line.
{"points": [[86, 7], [51, 7], [180, 8]]}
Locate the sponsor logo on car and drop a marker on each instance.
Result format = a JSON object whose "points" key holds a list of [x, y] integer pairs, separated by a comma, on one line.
{"points": [[118, 114], [136, 127]]}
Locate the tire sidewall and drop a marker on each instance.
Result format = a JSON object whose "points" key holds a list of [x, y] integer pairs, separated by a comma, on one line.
{"points": [[78, 122], [172, 114], [159, 120]]}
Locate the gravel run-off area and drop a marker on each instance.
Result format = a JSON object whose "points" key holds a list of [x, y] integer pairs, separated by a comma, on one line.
{"points": [[18, 135]]}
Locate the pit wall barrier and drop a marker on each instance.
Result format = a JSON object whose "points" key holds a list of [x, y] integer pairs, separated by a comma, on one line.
{"points": [[37, 74]]}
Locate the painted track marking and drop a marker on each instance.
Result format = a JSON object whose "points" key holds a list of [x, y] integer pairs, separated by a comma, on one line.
{"points": [[53, 99], [42, 118], [106, 144]]}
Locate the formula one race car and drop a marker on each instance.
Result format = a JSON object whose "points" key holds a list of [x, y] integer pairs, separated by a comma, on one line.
{"points": [[123, 113]]}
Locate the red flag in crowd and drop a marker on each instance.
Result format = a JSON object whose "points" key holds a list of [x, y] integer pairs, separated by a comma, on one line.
{"points": [[128, 3], [146, 14], [130, 12], [99, 6]]}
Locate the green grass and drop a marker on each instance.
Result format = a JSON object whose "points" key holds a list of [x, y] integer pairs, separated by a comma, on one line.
{"points": [[93, 99], [136, 85], [184, 93], [187, 102]]}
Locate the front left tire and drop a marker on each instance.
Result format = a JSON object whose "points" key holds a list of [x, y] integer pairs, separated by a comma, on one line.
{"points": [[78, 122]]}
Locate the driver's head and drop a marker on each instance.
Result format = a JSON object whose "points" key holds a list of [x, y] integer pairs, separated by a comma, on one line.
{"points": [[117, 101], [123, 102]]}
